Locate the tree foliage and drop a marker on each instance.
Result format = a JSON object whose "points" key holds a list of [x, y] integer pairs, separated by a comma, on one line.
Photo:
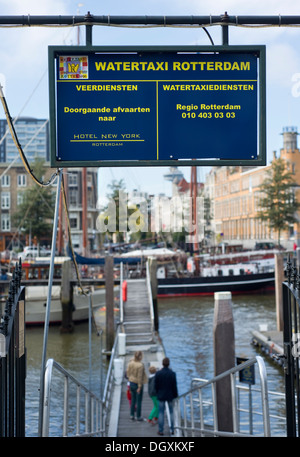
{"points": [[34, 214], [278, 203]]}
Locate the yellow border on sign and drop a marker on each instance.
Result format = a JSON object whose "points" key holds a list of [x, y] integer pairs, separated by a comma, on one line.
{"points": [[157, 147]]}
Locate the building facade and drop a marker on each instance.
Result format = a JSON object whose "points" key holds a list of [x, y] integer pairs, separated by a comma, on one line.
{"points": [[235, 192], [33, 135]]}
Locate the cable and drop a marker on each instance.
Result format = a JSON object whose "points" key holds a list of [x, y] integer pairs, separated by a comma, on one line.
{"points": [[210, 38], [69, 234], [19, 147]]}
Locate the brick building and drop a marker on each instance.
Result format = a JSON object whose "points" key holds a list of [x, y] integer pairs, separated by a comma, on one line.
{"points": [[235, 194], [33, 136]]}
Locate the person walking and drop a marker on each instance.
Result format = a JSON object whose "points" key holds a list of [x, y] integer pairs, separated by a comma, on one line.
{"points": [[166, 391], [153, 416], [137, 378]]}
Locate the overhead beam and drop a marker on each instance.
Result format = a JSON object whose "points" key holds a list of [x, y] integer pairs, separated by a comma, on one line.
{"points": [[89, 19]]}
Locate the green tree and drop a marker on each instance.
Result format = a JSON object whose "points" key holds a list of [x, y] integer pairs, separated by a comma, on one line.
{"points": [[34, 214], [278, 203]]}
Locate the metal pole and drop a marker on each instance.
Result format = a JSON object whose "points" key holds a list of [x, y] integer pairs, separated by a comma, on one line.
{"points": [[289, 363], [121, 294], [88, 29], [225, 30], [90, 341], [250, 410], [204, 21], [47, 315]]}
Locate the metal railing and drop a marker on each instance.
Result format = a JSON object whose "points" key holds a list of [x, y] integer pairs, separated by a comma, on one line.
{"points": [[13, 360], [83, 418], [190, 408], [146, 335], [291, 338], [110, 381], [150, 298]]}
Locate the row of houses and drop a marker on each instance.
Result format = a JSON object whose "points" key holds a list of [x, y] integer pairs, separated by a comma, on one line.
{"points": [[33, 135], [234, 194]]}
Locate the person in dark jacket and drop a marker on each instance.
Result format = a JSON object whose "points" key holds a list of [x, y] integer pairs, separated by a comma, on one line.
{"points": [[166, 391]]}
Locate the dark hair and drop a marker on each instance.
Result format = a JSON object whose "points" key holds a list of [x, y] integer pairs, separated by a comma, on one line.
{"points": [[166, 362]]}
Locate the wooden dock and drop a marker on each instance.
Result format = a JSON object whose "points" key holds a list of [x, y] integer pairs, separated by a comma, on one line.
{"points": [[140, 335], [270, 342]]}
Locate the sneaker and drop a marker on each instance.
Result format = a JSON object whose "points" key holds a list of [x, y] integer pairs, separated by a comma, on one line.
{"points": [[150, 421], [131, 418], [140, 419], [160, 433]]}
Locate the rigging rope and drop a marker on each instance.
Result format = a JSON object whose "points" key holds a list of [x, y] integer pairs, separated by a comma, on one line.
{"points": [[19, 147]]}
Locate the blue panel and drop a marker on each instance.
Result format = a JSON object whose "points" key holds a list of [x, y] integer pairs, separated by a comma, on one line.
{"points": [[156, 106]]}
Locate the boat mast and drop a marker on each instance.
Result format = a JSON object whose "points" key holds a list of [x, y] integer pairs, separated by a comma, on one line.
{"points": [[194, 217]]}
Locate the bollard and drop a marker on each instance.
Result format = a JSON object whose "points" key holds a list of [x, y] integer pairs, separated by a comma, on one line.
{"points": [[122, 343], [224, 357], [66, 298], [118, 371]]}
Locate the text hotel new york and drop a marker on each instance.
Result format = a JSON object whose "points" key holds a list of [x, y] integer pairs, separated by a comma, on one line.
{"points": [[117, 107]]}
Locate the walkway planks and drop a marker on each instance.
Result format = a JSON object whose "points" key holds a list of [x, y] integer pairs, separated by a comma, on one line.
{"points": [[139, 336]]}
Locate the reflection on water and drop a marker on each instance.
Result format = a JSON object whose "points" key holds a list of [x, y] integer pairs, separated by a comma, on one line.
{"points": [[186, 328], [71, 351]]}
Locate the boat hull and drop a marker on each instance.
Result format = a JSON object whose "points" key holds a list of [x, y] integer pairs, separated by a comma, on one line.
{"points": [[181, 287]]}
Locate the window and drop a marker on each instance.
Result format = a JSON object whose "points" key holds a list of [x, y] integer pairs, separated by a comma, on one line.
{"points": [[20, 198], [73, 197], [74, 222], [5, 200], [5, 222], [21, 180], [5, 181], [73, 179]]}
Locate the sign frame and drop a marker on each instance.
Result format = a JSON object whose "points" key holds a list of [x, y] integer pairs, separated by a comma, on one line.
{"points": [[258, 50]]}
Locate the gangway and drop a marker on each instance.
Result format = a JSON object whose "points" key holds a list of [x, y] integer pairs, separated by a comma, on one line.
{"points": [[113, 411]]}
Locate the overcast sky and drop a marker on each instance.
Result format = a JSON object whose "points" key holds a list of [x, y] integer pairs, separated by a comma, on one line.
{"points": [[24, 66]]}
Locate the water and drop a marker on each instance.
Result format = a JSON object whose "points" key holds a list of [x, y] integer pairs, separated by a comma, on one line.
{"points": [[186, 328]]}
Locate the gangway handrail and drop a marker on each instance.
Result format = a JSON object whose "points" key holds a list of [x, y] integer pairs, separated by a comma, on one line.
{"points": [[148, 282], [187, 396], [93, 405]]}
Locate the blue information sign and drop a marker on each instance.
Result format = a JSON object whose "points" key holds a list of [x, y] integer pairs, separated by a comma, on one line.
{"points": [[154, 107]]}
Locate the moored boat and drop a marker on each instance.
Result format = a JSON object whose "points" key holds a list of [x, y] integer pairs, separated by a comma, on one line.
{"points": [[35, 275], [183, 286], [245, 272]]}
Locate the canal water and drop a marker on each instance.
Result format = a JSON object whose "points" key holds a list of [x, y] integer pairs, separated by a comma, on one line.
{"points": [[186, 329]]}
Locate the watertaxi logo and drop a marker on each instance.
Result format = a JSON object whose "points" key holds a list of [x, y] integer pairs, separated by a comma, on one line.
{"points": [[73, 67]]}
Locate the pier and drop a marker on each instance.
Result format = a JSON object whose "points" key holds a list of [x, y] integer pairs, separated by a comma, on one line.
{"points": [[82, 412], [270, 342], [138, 333]]}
